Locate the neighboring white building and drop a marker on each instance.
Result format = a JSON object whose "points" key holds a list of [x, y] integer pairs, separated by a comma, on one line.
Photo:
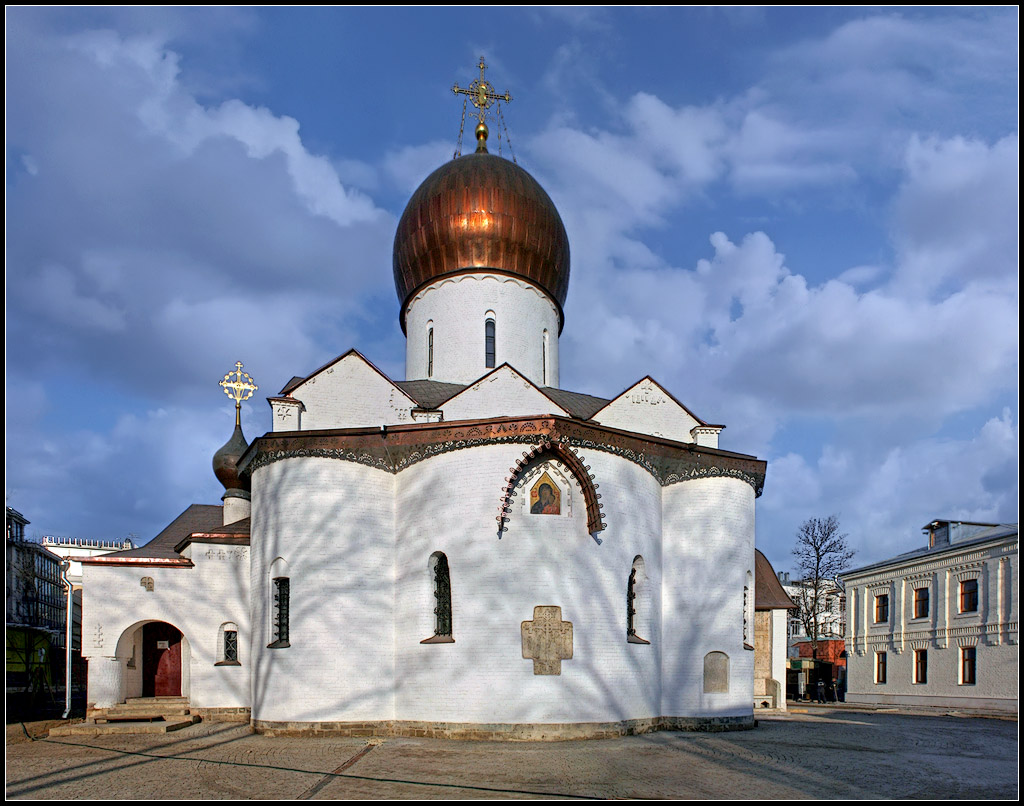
{"points": [[74, 549], [831, 611], [938, 626], [471, 551]]}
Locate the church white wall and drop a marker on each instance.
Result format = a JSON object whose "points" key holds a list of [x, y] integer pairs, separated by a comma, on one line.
{"points": [[333, 523], [449, 503], [195, 600], [647, 409], [457, 308], [502, 393], [707, 552], [348, 394]]}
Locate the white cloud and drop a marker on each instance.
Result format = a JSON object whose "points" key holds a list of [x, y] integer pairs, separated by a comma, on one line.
{"points": [[52, 292], [151, 208], [409, 166], [956, 214]]}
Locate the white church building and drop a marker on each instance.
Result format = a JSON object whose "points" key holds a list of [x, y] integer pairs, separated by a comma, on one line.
{"points": [[469, 552]]}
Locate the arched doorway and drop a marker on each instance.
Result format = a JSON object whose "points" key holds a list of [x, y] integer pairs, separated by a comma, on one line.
{"points": [[161, 660]]}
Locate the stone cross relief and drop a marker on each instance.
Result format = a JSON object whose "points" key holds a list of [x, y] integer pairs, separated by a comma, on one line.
{"points": [[547, 640]]}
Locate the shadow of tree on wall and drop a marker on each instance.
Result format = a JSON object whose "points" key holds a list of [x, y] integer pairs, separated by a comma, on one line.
{"points": [[358, 542]]}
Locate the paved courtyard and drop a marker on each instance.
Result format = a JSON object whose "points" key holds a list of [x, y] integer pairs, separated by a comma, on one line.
{"points": [[823, 754]]}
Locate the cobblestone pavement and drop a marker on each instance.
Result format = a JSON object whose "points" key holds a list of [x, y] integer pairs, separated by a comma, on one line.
{"points": [[821, 755]]}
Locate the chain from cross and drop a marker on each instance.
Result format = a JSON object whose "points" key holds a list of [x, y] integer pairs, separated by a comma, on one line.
{"points": [[239, 389], [481, 92]]}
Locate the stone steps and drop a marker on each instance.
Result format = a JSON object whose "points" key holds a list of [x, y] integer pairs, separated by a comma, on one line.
{"points": [[97, 728], [136, 715], [160, 700], [140, 712]]}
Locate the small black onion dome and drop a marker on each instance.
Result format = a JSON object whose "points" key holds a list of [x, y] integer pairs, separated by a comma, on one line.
{"points": [[225, 461]]}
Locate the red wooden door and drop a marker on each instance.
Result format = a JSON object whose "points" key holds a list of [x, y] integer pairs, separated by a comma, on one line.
{"points": [[161, 660]]}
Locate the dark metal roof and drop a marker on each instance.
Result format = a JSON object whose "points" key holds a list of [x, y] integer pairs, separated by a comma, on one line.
{"points": [[430, 394], [579, 405], [434, 394], [995, 533], [768, 591], [197, 518], [481, 211]]}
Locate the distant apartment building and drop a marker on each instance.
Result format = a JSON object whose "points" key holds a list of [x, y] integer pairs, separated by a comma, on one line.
{"points": [[831, 612], [35, 605], [938, 625]]}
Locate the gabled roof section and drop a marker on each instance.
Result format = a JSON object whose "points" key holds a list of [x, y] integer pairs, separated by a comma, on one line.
{"points": [[296, 382], [462, 406], [647, 407], [667, 393], [197, 518], [768, 591]]}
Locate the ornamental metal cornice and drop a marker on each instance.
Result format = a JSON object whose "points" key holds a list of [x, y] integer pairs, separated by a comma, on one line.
{"points": [[393, 449]]}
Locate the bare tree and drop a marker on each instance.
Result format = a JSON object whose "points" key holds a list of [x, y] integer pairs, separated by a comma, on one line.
{"points": [[822, 554]]}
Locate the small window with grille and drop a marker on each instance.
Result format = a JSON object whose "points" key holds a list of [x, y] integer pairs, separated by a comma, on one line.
{"points": [[279, 616], [228, 645], [441, 581]]}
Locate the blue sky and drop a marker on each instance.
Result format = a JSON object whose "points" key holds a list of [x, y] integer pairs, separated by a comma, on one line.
{"points": [[803, 222]]}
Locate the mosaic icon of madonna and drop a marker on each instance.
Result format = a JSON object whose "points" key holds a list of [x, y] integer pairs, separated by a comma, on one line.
{"points": [[545, 497]]}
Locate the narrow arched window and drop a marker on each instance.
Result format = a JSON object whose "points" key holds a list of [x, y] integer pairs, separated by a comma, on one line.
{"points": [[634, 600], [282, 606], [544, 359], [430, 352], [489, 343], [442, 585]]}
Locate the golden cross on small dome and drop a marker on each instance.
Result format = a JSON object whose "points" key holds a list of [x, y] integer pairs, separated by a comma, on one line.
{"points": [[238, 389], [481, 92]]}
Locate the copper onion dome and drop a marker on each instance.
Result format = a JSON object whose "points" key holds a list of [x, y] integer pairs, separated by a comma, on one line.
{"points": [[481, 211], [225, 461]]}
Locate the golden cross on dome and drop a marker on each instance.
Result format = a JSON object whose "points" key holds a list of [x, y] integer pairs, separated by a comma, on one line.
{"points": [[481, 92], [239, 389]]}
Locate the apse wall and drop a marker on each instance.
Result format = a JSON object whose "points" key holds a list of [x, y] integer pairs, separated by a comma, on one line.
{"points": [[328, 526], [708, 553], [449, 504]]}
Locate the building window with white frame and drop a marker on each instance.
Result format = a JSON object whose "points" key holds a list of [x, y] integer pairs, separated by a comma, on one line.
{"points": [[920, 666], [881, 662], [921, 597], [968, 665], [969, 596], [881, 608]]}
